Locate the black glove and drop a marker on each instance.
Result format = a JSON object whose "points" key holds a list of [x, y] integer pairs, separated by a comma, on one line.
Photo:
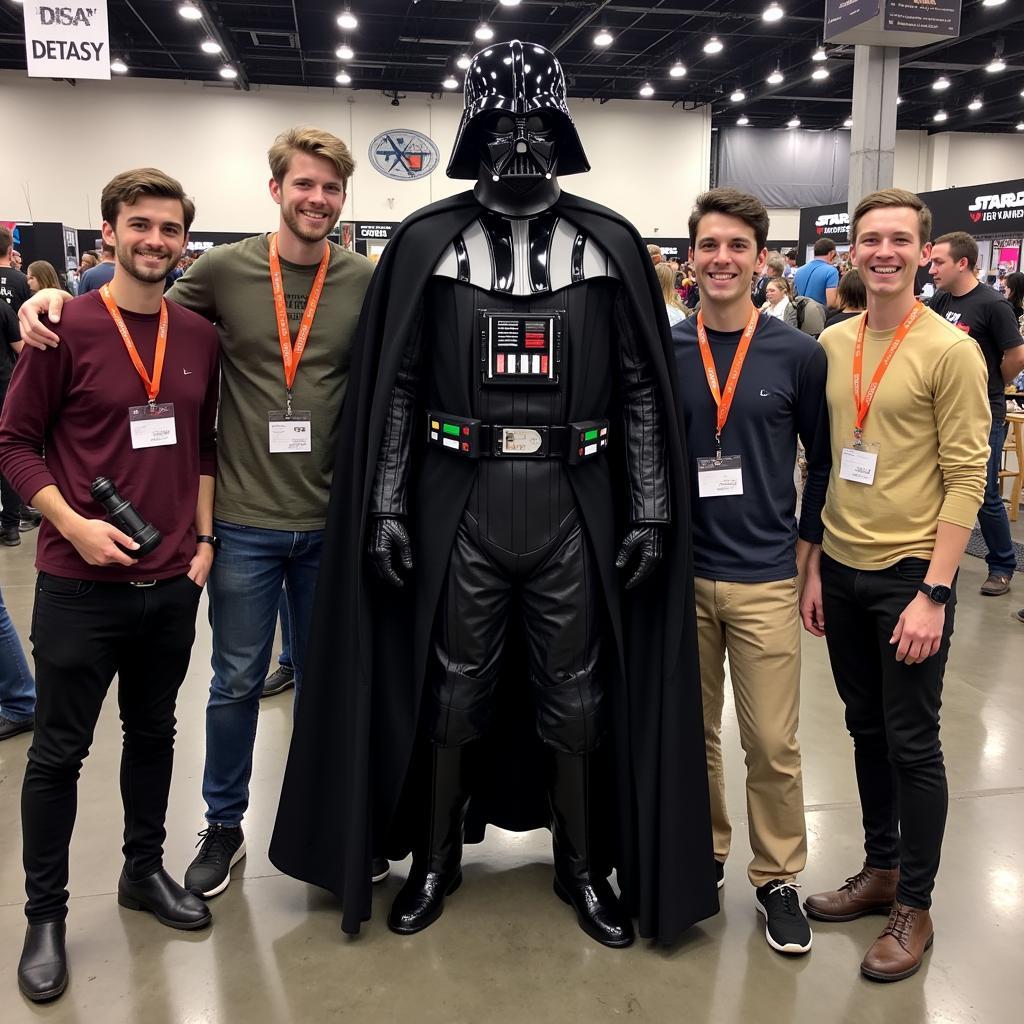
{"points": [[647, 541], [389, 538]]}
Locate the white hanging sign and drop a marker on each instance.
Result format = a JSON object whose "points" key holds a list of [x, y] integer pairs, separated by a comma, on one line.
{"points": [[67, 41]]}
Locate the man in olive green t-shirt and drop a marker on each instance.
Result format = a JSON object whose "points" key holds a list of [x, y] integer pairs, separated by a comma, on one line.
{"points": [[909, 419], [274, 469]]}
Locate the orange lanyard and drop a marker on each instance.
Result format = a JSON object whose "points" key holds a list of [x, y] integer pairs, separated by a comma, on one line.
{"points": [[863, 404], [723, 400], [152, 385], [292, 355]]}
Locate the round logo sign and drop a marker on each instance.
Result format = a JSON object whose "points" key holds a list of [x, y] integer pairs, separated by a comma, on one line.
{"points": [[404, 154]]}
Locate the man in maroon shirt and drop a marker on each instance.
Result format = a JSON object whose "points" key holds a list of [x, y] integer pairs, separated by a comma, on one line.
{"points": [[100, 609]]}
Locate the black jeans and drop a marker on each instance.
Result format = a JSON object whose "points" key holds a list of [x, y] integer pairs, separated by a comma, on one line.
{"points": [[82, 634], [10, 502], [892, 713]]}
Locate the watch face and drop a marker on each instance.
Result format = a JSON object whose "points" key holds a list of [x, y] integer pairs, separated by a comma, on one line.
{"points": [[940, 595]]}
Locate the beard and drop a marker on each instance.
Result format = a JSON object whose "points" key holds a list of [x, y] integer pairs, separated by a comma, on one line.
{"points": [[307, 233], [126, 257]]}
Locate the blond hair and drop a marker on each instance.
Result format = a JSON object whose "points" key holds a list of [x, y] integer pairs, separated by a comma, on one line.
{"points": [[315, 142], [127, 188], [667, 280], [893, 197]]}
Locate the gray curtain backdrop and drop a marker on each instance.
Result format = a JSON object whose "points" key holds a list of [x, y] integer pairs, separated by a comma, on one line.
{"points": [[786, 168]]}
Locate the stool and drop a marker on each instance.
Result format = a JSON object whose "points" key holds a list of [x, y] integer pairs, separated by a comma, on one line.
{"points": [[1014, 444]]}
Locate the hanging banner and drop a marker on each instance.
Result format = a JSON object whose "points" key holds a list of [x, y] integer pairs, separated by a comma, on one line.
{"points": [[891, 22], [67, 41]]}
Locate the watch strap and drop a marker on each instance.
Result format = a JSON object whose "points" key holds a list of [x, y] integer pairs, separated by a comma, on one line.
{"points": [[205, 538]]}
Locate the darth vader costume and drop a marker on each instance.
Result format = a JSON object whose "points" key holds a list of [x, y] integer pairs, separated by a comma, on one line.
{"points": [[504, 628]]}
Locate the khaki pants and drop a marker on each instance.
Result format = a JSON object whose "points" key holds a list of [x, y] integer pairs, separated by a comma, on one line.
{"points": [[758, 625]]}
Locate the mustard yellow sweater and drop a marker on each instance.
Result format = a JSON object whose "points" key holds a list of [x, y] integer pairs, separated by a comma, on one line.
{"points": [[931, 419]]}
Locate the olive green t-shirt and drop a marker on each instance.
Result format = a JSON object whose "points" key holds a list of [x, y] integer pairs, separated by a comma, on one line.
{"points": [[230, 285]]}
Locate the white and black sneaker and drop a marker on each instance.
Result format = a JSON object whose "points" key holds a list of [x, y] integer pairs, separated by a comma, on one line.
{"points": [[220, 848], [786, 928], [719, 873], [380, 870]]}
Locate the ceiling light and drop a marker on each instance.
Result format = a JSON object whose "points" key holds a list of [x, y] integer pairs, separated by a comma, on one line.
{"points": [[210, 46], [509, 3], [742, 120], [451, 82], [775, 77], [940, 83], [899, 100], [343, 78], [992, 3], [773, 12], [678, 70], [228, 72], [819, 54], [997, 64], [347, 20], [848, 123], [484, 32], [604, 38], [940, 116], [819, 74], [975, 104], [344, 52], [646, 90], [118, 66], [190, 12], [714, 45], [793, 122], [463, 62], [1020, 126], [738, 96]]}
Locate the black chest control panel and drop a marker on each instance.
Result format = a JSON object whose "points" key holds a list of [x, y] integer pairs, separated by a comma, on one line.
{"points": [[521, 348]]}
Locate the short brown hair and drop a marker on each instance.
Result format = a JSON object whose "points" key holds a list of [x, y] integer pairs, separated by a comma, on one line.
{"points": [[733, 203], [890, 197], [127, 188], [851, 293], [823, 246], [315, 142], [6, 241], [961, 246]]}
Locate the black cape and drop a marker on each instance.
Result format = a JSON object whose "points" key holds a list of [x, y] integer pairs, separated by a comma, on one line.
{"points": [[353, 786]]}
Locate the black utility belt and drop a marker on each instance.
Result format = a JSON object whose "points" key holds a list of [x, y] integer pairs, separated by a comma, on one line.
{"points": [[471, 439]]}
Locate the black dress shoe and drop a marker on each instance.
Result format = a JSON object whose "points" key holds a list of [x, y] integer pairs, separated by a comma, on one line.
{"points": [[167, 901], [10, 536], [420, 901], [598, 910], [9, 728], [279, 681], [43, 969]]}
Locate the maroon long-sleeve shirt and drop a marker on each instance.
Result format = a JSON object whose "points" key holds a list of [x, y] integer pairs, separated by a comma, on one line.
{"points": [[73, 401]]}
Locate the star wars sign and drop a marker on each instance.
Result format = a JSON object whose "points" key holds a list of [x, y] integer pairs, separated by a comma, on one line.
{"points": [[67, 41], [403, 154]]}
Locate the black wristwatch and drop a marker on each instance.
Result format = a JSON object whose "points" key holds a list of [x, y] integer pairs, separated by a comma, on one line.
{"points": [[939, 594], [205, 538]]}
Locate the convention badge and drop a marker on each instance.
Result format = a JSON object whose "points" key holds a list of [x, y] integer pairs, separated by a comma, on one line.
{"points": [[858, 462], [152, 425], [290, 430], [720, 476]]}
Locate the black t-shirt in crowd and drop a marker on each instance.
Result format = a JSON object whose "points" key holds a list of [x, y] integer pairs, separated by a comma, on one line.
{"points": [[751, 538], [9, 334], [988, 318], [14, 289]]}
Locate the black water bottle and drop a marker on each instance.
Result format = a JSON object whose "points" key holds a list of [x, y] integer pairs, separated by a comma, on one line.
{"points": [[125, 517]]}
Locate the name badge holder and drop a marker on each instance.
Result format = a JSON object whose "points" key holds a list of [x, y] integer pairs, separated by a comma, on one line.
{"points": [[152, 425], [291, 430]]}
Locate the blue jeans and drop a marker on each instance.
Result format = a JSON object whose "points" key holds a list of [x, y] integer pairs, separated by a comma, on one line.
{"points": [[245, 592], [285, 657], [995, 527], [17, 687]]}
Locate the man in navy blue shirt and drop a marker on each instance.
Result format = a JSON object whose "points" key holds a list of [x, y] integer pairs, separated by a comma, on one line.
{"points": [[96, 277], [749, 387], [819, 279]]}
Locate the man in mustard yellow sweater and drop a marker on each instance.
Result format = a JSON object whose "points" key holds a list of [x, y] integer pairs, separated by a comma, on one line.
{"points": [[909, 428]]}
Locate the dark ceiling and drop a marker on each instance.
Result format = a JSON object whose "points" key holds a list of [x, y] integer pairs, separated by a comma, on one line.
{"points": [[405, 46]]}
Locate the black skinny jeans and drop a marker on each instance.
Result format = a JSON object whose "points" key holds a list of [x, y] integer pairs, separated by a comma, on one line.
{"points": [[82, 634], [892, 713]]}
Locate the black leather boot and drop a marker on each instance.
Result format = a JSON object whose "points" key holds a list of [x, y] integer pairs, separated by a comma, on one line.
{"points": [[597, 907], [167, 901], [437, 865], [43, 969]]}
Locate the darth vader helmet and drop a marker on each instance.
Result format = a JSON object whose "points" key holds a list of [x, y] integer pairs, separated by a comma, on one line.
{"points": [[516, 122]]}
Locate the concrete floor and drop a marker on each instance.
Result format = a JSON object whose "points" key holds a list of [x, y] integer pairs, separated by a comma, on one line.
{"points": [[506, 948]]}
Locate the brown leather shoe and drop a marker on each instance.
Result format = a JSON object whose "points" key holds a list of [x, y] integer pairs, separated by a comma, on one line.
{"points": [[897, 953], [995, 585], [870, 891]]}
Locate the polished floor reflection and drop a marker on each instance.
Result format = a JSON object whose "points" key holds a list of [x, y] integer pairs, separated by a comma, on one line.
{"points": [[506, 948]]}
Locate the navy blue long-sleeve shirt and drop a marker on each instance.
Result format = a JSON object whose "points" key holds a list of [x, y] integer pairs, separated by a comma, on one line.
{"points": [[751, 538]]}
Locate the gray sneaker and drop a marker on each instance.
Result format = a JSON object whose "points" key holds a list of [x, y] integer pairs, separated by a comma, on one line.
{"points": [[279, 681]]}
